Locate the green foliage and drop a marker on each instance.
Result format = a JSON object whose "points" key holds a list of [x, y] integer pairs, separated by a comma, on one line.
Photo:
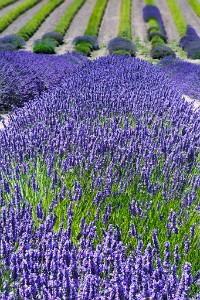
{"points": [[5, 3], [121, 52], [149, 2], [96, 17], [64, 23], [196, 6], [45, 46], [84, 47], [31, 27], [157, 33], [153, 29], [12, 15], [157, 41], [125, 20], [179, 20]]}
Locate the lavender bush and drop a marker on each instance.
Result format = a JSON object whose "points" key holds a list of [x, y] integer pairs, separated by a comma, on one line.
{"points": [[191, 43], [99, 188], [185, 76], [121, 44], [17, 41], [24, 75], [152, 12]]}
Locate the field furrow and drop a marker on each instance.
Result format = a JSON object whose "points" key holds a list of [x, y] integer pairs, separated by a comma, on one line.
{"points": [[49, 23], [77, 26], [189, 15], [138, 31], [170, 27], [23, 19], [109, 26]]}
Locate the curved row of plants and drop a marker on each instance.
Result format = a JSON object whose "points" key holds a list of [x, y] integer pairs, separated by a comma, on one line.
{"points": [[5, 3], [12, 15], [88, 42], [51, 40], [156, 31], [100, 188], [190, 41], [123, 44]]}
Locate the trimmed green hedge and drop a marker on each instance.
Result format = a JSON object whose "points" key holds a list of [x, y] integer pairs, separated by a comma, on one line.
{"points": [[31, 27], [4, 3], [149, 2], [196, 6], [64, 23], [125, 20], [12, 15], [96, 18], [179, 20]]}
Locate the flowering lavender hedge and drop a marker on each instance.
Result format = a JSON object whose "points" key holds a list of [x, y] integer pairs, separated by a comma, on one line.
{"points": [[152, 12], [25, 75], [190, 42], [100, 189], [185, 75]]}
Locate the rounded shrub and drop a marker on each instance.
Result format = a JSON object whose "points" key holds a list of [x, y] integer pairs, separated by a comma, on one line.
{"points": [[7, 47], [89, 39], [53, 35], [157, 41], [157, 34], [162, 51], [187, 39], [44, 46], [193, 50], [84, 47], [121, 44], [17, 41]]}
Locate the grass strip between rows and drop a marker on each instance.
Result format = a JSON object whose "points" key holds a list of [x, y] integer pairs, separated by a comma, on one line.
{"points": [[31, 27], [195, 5], [12, 15], [64, 23], [5, 3], [179, 20], [96, 18], [149, 2], [124, 29]]}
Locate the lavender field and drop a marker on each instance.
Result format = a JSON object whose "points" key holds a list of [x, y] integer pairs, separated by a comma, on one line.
{"points": [[99, 150]]}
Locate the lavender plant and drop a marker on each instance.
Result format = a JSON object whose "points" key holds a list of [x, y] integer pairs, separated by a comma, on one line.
{"points": [[99, 188]]}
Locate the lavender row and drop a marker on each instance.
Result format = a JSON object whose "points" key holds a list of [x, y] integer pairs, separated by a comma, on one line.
{"points": [[22, 80], [111, 157]]}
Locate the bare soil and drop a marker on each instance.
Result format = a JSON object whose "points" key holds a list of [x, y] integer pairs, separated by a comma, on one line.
{"points": [[139, 28]]}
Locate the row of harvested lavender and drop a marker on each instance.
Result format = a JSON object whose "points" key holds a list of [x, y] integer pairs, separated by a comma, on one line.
{"points": [[100, 188]]}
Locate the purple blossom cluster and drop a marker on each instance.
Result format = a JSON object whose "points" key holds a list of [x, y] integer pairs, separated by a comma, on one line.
{"points": [[190, 42], [119, 121], [185, 75], [25, 75]]}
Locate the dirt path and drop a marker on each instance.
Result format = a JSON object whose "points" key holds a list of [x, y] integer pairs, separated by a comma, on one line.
{"points": [[23, 19], [110, 22], [189, 15], [6, 9], [139, 29], [170, 27], [77, 26], [48, 24]]}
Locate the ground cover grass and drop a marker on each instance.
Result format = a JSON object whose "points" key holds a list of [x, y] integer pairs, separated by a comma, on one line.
{"points": [[12, 15]]}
